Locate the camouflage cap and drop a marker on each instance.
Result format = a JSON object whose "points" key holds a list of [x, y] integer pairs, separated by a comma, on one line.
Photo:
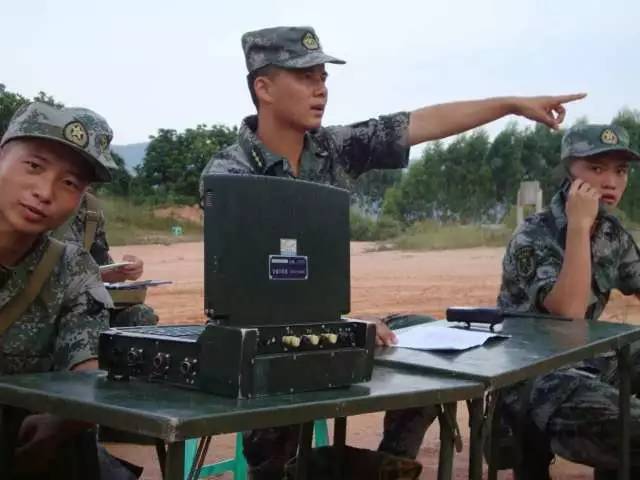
{"points": [[587, 140], [81, 129], [286, 47]]}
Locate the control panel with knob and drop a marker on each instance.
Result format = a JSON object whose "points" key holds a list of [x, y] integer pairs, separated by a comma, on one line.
{"points": [[242, 362]]}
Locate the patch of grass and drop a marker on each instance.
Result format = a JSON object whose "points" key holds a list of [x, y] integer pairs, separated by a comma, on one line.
{"points": [[128, 223], [430, 235], [364, 228]]}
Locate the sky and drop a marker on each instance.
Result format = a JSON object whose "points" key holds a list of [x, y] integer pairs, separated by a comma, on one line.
{"points": [[146, 65]]}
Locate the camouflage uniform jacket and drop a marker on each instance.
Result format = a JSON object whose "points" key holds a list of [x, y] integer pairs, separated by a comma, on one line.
{"points": [[531, 266], [60, 329], [75, 234], [328, 151]]}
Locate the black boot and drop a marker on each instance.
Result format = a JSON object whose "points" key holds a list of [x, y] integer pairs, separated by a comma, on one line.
{"points": [[535, 455]]}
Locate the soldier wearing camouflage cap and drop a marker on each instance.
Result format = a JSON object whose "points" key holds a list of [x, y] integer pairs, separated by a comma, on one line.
{"points": [[287, 82], [87, 137], [80, 129], [588, 140], [565, 261], [53, 304]]}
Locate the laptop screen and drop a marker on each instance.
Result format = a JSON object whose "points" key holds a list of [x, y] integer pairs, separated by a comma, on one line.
{"points": [[276, 250]]}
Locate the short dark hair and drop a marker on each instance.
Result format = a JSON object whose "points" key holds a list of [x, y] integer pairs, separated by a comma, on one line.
{"points": [[265, 71], [599, 155]]}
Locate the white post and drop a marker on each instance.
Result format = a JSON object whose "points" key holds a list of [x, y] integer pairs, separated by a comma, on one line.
{"points": [[529, 193]]}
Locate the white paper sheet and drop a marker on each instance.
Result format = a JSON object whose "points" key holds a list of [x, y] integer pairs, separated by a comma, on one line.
{"points": [[430, 337], [136, 284], [113, 266]]}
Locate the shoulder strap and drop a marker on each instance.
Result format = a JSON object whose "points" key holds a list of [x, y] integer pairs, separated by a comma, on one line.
{"points": [[91, 221], [19, 304], [60, 232]]}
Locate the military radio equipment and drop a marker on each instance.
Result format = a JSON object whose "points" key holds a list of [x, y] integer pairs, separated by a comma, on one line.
{"points": [[277, 269]]}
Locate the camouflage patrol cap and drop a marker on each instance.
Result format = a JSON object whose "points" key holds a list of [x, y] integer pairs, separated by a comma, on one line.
{"points": [[286, 47], [587, 140], [79, 128]]}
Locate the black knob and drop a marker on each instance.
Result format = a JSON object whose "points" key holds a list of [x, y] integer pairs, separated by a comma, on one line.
{"points": [[134, 356], [189, 366], [346, 338], [161, 361]]}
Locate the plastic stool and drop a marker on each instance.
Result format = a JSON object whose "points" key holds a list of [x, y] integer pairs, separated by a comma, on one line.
{"points": [[238, 464]]}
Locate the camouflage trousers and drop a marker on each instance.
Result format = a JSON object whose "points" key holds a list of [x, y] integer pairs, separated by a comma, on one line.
{"points": [[583, 426], [77, 458], [268, 450], [133, 316]]}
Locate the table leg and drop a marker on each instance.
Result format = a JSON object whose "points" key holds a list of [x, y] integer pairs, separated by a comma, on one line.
{"points": [[475, 438], [5, 448], [304, 450], [491, 423], [447, 440], [340, 431], [339, 442], [174, 467], [624, 375], [161, 452]]}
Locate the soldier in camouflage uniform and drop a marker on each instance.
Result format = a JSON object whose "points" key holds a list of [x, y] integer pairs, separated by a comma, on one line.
{"points": [[48, 156], [565, 261], [121, 315], [286, 80]]}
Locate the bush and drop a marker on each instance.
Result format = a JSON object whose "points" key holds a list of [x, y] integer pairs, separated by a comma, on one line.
{"points": [[365, 228], [360, 226], [386, 228]]}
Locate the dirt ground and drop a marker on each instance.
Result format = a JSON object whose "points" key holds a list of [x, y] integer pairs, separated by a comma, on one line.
{"points": [[382, 283]]}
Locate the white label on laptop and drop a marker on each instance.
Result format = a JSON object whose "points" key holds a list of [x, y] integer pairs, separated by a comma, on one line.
{"points": [[288, 246], [287, 267]]}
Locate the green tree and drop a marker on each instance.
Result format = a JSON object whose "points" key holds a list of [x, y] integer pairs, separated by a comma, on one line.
{"points": [[369, 189], [121, 179], [466, 179], [172, 164], [447, 183], [416, 196], [10, 102], [45, 98], [505, 162], [541, 159], [630, 120]]}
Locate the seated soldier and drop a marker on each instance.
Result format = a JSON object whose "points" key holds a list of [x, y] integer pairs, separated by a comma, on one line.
{"points": [[87, 228], [53, 303], [565, 261]]}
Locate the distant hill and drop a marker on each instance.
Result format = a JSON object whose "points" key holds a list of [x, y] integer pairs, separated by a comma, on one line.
{"points": [[132, 153]]}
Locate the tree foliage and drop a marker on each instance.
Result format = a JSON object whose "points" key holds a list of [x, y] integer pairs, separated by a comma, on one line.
{"points": [[121, 179], [10, 102], [630, 119], [470, 178], [174, 160]]}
